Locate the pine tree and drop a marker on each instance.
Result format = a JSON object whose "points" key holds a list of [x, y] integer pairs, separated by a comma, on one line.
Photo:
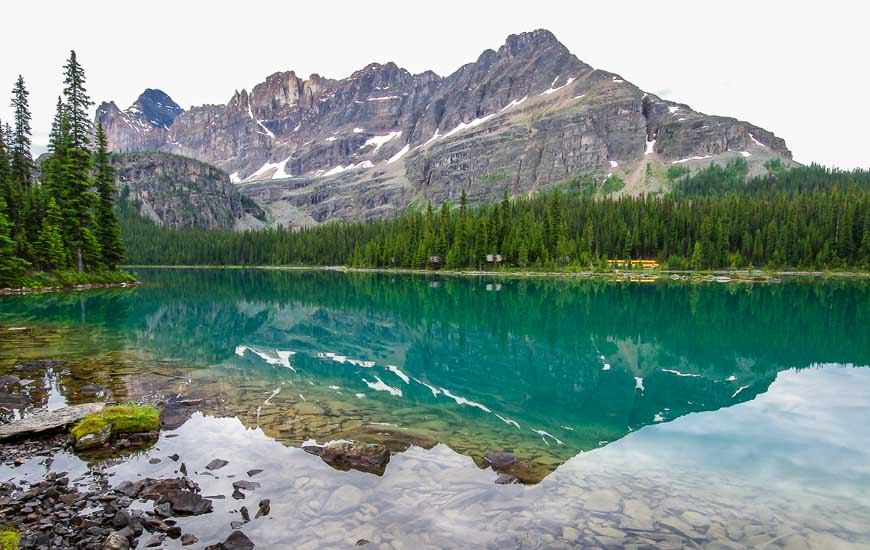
{"points": [[22, 161], [11, 266], [21, 166], [53, 166], [77, 103], [50, 253], [5, 173], [107, 231], [78, 218]]}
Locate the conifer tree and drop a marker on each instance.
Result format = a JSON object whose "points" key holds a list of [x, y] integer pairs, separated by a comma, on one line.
{"points": [[108, 232], [11, 266], [21, 166], [49, 249], [5, 174], [53, 166], [78, 218], [22, 161]]}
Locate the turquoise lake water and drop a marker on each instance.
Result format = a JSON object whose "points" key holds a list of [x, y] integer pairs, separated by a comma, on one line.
{"points": [[665, 414]]}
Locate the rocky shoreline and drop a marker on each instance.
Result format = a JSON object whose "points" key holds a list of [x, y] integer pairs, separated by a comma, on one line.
{"points": [[732, 276], [59, 510], [86, 512], [74, 288]]}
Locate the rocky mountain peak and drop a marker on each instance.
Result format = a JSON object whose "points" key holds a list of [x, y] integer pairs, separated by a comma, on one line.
{"points": [[156, 107], [532, 43], [524, 116]]}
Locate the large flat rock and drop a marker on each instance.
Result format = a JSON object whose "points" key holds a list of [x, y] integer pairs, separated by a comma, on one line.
{"points": [[48, 420]]}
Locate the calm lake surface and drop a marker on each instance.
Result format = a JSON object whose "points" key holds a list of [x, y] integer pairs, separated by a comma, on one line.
{"points": [[644, 415]]}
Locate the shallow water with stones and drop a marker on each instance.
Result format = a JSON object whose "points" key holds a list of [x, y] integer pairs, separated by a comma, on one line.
{"points": [[671, 415]]}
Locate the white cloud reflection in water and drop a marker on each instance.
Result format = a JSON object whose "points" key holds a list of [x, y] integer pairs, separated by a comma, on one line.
{"points": [[791, 464]]}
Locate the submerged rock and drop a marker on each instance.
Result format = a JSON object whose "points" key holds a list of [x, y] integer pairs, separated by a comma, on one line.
{"points": [[216, 464], [177, 411], [246, 485], [500, 459], [39, 364], [9, 379], [189, 503], [236, 541], [264, 509], [506, 479], [14, 401], [352, 455]]}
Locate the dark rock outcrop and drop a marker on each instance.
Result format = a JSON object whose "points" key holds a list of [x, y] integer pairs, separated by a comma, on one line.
{"points": [[517, 119], [178, 191], [352, 455]]}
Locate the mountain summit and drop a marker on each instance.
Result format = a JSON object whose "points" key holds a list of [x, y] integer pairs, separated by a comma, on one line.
{"points": [[369, 145]]}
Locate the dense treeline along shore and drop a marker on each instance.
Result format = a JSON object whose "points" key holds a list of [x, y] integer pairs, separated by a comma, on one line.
{"points": [[58, 225], [805, 218]]}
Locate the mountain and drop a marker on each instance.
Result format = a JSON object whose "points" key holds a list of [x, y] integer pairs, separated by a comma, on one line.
{"points": [[370, 145], [177, 191]]}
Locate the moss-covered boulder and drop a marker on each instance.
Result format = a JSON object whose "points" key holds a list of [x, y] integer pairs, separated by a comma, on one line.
{"points": [[96, 429]]}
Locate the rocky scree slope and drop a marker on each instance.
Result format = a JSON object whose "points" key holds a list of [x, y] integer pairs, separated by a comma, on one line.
{"points": [[517, 119]]}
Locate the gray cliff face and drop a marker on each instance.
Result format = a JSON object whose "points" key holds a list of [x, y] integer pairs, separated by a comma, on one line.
{"points": [[517, 119], [177, 191]]}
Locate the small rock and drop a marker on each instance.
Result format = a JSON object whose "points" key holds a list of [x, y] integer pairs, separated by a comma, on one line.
{"points": [[163, 509], [173, 457], [154, 460], [173, 532], [216, 464], [94, 440], [9, 379], [252, 473], [362, 542], [121, 519], [500, 459], [187, 539], [265, 508], [246, 485], [506, 479], [238, 541], [116, 541], [245, 515], [155, 541], [238, 495], [353, 455], [189, 503]]}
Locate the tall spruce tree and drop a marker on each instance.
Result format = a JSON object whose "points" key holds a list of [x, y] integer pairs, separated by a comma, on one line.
{"points": [[108, 232], [53, 166], [5, 174], [49, 250], [78, 218], [22, 161], [11, 266], [21, 166]]}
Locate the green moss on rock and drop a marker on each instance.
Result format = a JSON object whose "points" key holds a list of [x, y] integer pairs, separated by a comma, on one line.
{"points": [[9, 540], [123, 419]]}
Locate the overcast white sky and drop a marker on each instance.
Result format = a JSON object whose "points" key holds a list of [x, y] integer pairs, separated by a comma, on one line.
{"points": [[798, 68]]}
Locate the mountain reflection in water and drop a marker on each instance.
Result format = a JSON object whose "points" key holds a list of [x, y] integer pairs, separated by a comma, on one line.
{"points": [[541, 368]]}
